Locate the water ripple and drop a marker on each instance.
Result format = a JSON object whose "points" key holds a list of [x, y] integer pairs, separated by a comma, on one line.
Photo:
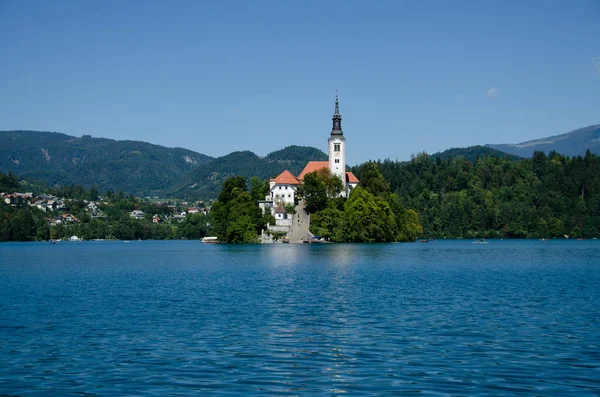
{"points": [[180, 318]]}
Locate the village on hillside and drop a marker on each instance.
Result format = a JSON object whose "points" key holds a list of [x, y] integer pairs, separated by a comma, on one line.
{"points": [[76, 218]]}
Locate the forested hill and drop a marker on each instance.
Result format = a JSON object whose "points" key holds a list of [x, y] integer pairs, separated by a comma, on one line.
{"points": [[205, 181], [574, 143], [472, 153], [133, 167], [546, 196]]}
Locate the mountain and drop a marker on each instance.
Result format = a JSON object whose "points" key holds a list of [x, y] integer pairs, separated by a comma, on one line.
{"points": [[471, 153], [205, 180], [574, 143], [134, 167]]}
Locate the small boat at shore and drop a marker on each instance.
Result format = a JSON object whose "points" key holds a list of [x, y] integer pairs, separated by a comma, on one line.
{"points": [[210, 240], [314, 240]]}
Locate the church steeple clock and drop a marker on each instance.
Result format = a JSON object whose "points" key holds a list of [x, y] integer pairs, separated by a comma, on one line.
{"points": [[337, 145]]}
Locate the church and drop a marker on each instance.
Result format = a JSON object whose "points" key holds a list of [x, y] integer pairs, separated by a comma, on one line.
{"points": [[284, 187]]}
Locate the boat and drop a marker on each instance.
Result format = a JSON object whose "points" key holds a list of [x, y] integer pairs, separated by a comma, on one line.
{"points": [[480, 242], [285, 240], [423, 241], [210, 240], [52, 241], [313, 240]]}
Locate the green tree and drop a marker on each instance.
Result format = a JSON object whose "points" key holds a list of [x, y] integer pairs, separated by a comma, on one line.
{"points": [[23, 226], [368, 218], [372, 181], [194, 227], [409, 226], [258, 188], [236, 216], [318, 187]]}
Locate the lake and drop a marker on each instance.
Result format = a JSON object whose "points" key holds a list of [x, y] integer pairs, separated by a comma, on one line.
{"points": [[159, 318]]}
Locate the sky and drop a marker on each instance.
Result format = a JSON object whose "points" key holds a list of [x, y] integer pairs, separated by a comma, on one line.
{"points": [[221, 76]]}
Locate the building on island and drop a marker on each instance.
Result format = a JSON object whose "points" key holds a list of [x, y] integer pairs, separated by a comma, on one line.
{"points": [[284, 187]]}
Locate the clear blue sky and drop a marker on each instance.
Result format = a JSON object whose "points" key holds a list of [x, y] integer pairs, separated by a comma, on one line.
{"points": [[220, 76]]}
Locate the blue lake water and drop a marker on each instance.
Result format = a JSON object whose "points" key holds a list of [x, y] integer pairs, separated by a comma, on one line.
{"points": [[183, 318]]}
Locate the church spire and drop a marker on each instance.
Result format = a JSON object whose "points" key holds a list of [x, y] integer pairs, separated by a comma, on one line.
{"points": [[337, 118]]}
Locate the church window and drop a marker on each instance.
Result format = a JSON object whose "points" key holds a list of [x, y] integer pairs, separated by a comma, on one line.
{"points": [[337, 160], [336, 147]]}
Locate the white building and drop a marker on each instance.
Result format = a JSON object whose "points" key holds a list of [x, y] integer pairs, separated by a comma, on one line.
{"points": [[283, 188], [137, 214]]}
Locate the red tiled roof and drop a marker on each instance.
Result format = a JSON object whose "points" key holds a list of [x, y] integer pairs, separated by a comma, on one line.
{"points": [[286, 178], [350, 178], [313, 166], [279, 209]]}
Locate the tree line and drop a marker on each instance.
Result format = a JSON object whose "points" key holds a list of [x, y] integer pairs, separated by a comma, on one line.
{"points": [[371, 213], [547, 196]]}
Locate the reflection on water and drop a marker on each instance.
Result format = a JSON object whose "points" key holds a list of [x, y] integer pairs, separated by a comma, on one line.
{"points": [[167, 318]]}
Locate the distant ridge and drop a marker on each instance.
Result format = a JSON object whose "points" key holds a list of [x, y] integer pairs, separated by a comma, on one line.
{"points": [[205, 180], [471, 153], [134, 167], [573, 143], [58, 159]]}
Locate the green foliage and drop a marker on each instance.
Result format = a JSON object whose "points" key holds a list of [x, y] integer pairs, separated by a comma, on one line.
{"points": [[9, 183], [546, 196], [236, 216], [472, 153], [26, 223], [231, 189], [194, 227], [372, 181], [409, 226], [327, 222], [318, 187], [370, 214], [206, 180], [296, 156], [258, 188], [367, 218], [22, 224], [58, 159]]}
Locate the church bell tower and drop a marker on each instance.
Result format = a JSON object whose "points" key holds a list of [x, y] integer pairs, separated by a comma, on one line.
{"points": [[337, 146]]}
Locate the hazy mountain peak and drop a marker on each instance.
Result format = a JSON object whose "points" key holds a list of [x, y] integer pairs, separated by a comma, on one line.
{"points": [[573, 143]]}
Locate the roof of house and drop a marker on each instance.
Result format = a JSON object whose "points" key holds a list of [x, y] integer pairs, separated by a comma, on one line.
{"points": [[313, 166], [286, 178], [350, 178], [279, 209]]}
